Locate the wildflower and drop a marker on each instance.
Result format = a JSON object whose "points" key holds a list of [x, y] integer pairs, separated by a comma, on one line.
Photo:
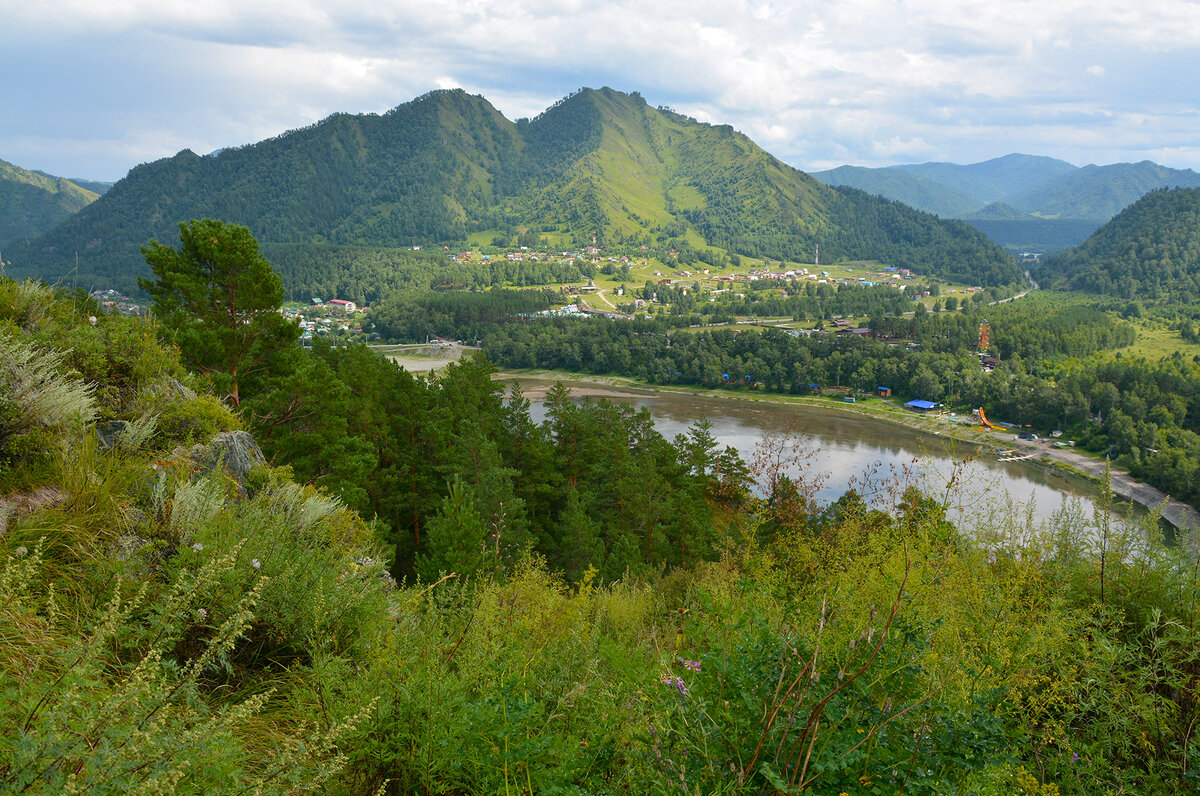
{"points": [[693, 666], [1075, 757], [197, 547], [255, 563], [21, 551], [201, 614]]}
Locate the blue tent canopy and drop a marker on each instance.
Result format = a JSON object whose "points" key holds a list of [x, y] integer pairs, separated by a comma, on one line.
{"points": [[922, 405]]}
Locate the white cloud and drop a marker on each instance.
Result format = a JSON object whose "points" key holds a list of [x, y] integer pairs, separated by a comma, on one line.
{"points": [[863, 81]]}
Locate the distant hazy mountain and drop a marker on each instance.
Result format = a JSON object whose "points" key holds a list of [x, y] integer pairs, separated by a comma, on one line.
{"points": [[1038, 189], [948, 189], [598, 163], [901, 186], [96, 187], [32, 202], [1100, 192], [1149, 250], [998, 211]]}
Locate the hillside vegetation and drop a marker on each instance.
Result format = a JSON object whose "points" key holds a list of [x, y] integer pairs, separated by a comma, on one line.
{"points": [[1149, 251], [598, 164], [32, 202], [177, 619]]}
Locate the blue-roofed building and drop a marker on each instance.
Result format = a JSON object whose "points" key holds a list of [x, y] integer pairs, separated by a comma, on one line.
{"points": [[920, 406]]}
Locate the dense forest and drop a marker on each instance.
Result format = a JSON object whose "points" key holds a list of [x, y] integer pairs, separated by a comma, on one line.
{"points": [[343, 201], [574, 606], [1149, 251]]}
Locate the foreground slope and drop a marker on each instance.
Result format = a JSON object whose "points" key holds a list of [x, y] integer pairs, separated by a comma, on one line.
{"points": [[598, 164], [168, 628]]}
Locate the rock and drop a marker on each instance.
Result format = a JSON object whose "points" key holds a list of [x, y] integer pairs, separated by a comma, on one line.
{"points": [[108, 433], [180, 390], [236, 451]]}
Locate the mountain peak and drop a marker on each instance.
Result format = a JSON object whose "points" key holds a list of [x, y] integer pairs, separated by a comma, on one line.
{"points": [[598, 163]]}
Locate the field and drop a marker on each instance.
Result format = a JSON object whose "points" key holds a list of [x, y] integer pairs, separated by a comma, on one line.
{"points": [[1156, 341]]}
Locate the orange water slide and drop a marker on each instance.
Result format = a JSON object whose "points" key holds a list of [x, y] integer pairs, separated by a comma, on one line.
{"points": [[983, 419]]}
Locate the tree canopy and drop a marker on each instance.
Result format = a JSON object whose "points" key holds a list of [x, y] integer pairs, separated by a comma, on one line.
{"points": [[218, 298]]}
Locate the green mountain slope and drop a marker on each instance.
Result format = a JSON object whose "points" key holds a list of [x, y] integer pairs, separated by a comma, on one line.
{"points": [[1100, 192], [1149, 250], [32, 202], [599, 163], [1021, 202]]}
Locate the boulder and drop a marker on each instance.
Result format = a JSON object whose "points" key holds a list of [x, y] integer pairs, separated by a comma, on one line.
{"points": [[108, 433], [235, 451]]}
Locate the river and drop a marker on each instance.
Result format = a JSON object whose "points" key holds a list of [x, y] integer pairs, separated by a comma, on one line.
{"points": [[852, 451]]}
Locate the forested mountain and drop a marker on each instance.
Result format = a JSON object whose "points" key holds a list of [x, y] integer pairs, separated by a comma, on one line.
{"points": [[598, 163], [1150, 250], [1100, 192], [995, 179], [32, 202], [1044, 204]]}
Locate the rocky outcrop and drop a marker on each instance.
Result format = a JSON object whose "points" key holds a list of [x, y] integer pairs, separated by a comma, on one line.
{"points": [[235, 451]]}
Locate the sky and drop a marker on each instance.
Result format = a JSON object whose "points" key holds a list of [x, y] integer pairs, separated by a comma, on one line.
{"points": [[91, 88]]}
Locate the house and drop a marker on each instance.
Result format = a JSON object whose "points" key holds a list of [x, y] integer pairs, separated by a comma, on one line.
{"points": [[921, 406], [884, 392], [343, 305]]}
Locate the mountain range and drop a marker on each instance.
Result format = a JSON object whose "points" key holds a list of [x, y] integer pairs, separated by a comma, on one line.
{"points": [[598, 164], [1020, 201], [32, 202]]}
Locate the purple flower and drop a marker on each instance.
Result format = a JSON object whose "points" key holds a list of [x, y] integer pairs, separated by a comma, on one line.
{"points": [[691, 665], [675, 682], [1075, 757]]}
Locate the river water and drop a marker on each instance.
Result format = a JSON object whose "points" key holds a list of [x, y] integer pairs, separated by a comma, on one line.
{"points": [[878, 458]]}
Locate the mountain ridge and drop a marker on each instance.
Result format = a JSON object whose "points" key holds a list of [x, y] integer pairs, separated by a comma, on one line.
{"points": [[32, 202], [598, 164]]}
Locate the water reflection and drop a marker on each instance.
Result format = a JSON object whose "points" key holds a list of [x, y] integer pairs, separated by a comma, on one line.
{"points": [[877, 458]]}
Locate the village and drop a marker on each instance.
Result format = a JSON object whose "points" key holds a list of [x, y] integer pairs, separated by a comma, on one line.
{"points": [[333, 319]]}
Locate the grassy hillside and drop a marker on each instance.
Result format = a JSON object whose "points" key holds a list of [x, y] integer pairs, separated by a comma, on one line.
{"points": [[32, 202], [598, 164]]}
